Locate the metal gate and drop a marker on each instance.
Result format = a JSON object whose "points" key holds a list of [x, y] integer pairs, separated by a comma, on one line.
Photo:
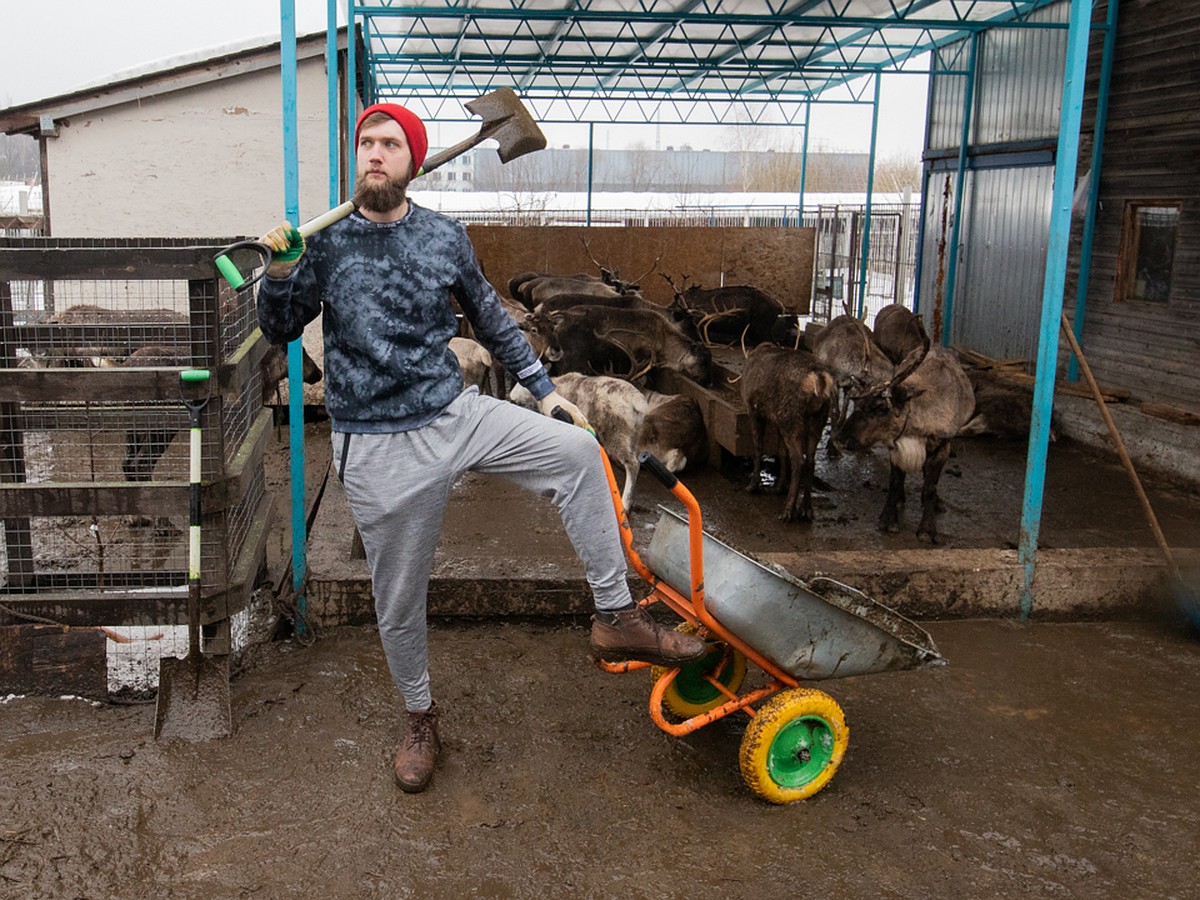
{"points": [[838, 286]]}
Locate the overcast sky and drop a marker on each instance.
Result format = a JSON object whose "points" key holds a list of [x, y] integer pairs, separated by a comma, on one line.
{"points": [[53, 46]]}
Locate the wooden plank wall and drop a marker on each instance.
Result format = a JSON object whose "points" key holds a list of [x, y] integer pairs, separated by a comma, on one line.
{"points": [[776, 260], [1151, 349]]}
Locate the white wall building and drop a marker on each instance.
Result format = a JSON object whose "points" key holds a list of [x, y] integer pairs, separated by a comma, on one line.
{"points": [[185, 148]]}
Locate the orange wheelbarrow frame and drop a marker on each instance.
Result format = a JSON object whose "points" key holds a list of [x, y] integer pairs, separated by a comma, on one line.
{"points": [[690, 608]]}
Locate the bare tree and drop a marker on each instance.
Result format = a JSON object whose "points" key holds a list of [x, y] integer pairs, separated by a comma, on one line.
{"points": [[897, 172]]}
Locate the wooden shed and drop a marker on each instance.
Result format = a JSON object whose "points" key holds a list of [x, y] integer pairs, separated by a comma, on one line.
{"points": [[1131, 289]]}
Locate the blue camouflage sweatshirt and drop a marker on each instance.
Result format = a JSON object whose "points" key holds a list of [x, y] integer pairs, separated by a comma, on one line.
{"points": [[384, 291]]}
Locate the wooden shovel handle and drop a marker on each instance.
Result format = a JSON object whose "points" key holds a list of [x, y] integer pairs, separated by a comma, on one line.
{"points": [[1120, 445]]}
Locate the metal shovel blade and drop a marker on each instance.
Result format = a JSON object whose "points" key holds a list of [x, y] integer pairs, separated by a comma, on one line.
{"points": [[506, 119], [193, 698]]}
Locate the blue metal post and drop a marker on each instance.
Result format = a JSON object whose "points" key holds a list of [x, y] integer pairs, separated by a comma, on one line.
{"points": [[331, 93], [1052, 293], [591, 154], [351, 92], [959, 188], [291, 202], [866, 239], [803, 166], [1089, 222]]}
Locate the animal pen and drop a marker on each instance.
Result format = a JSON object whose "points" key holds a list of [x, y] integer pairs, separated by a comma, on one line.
{"points": [[94, 450]]}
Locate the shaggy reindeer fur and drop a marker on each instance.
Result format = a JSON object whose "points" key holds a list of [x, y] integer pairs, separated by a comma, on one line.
{"points": [[846, 348], [914, 415], [615, 409], [674, 431], [476, 363], [898, 331]]}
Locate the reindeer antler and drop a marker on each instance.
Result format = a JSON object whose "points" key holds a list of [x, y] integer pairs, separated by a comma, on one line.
{"points": [[588, 250], [653, 266], [706, 321]]}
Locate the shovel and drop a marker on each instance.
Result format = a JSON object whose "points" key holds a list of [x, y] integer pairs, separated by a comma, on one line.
{"points": [[505, 118], [193, 692]]}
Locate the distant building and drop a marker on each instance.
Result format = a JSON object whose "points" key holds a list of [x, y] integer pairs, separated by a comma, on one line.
{"points": [[679, 171]]}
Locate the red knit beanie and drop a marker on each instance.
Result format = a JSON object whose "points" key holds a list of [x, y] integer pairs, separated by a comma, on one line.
{"points": [[414, 129]]}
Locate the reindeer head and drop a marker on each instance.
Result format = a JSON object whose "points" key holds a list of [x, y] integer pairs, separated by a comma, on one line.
{"points": [[881, 410]]}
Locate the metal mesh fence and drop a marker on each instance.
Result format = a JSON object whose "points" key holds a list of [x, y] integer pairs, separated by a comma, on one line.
{"points": [[94, 448]]}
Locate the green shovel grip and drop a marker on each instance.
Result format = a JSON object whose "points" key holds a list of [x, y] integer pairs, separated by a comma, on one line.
{"points": [[226, 267]]}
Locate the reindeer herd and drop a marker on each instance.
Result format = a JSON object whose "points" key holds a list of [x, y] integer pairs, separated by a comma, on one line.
{"points": [[602, 342]]}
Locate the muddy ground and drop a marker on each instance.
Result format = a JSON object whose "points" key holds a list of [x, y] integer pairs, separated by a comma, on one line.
{"points": [[1046, 760]]}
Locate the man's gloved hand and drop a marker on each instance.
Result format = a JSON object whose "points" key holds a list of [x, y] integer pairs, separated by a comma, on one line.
{"points": [[554, 400], [287, 246]]}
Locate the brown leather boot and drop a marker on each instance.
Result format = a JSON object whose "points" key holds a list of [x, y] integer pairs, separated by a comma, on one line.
{"points": [[418, 752], [633, 634]]}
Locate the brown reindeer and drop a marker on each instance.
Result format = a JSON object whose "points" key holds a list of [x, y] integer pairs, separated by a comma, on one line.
{"points": [[725, 315], [596, 340], [898, 331], [792, 391], [915, 414]]}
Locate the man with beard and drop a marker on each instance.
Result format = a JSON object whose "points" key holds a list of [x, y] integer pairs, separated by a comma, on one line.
{"points": [[404, 429]]}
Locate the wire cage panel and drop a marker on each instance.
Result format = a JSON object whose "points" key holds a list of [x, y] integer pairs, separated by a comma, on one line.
{"points": [[94, 447]]}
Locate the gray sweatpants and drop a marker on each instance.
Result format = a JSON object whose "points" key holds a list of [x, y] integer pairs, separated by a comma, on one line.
{"points": [[398, 485]]}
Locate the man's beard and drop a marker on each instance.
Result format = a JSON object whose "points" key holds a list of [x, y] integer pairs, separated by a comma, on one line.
{"points": [[380, 198]]}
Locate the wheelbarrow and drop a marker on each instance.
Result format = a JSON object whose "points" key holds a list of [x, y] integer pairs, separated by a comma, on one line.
{"points": [[746, 612]]}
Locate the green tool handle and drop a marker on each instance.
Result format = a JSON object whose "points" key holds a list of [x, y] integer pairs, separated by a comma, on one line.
{"points": [[230, 272]]}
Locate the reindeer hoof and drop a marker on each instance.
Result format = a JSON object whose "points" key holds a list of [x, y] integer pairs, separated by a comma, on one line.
{"points": [[927, 537], [889, 527]]}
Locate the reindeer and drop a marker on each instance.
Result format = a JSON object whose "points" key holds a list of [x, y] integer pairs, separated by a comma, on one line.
{"points": [[626, 344], [625, 301], [898, 331], [476, 363], [915, 414], [846, 348], [616, 411], [737, 312], [612, 276], [791, 391], [532, 288], [674, 431]]}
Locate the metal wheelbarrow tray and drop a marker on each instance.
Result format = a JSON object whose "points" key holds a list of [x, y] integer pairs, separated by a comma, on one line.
{"points": [[819, 630], [793, 630]]}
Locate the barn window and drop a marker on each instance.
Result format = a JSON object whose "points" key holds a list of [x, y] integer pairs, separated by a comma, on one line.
{"points": [[1147, 250]]}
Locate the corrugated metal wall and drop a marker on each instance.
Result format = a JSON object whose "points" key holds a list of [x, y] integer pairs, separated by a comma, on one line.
{"points": [[1006, 196], [1151, 349]]}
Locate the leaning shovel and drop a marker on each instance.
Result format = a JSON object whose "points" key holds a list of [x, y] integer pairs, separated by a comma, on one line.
{"points": [[505, 118], [193, 692]]}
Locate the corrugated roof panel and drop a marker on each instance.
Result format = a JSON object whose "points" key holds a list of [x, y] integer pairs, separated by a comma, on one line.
{"points": [[618, 60]]}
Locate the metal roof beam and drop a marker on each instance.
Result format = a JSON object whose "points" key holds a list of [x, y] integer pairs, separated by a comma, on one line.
{"points": [[765, 20]]}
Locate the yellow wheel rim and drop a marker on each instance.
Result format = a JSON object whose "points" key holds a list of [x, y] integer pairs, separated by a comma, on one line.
{"points": [[691, 693], [793, 745]]}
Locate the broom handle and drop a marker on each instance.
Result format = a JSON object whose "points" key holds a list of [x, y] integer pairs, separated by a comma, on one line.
{"points": [[1120, 445]]}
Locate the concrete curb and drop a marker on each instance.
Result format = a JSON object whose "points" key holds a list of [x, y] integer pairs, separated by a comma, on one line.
{"points": [[486, 573]]}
